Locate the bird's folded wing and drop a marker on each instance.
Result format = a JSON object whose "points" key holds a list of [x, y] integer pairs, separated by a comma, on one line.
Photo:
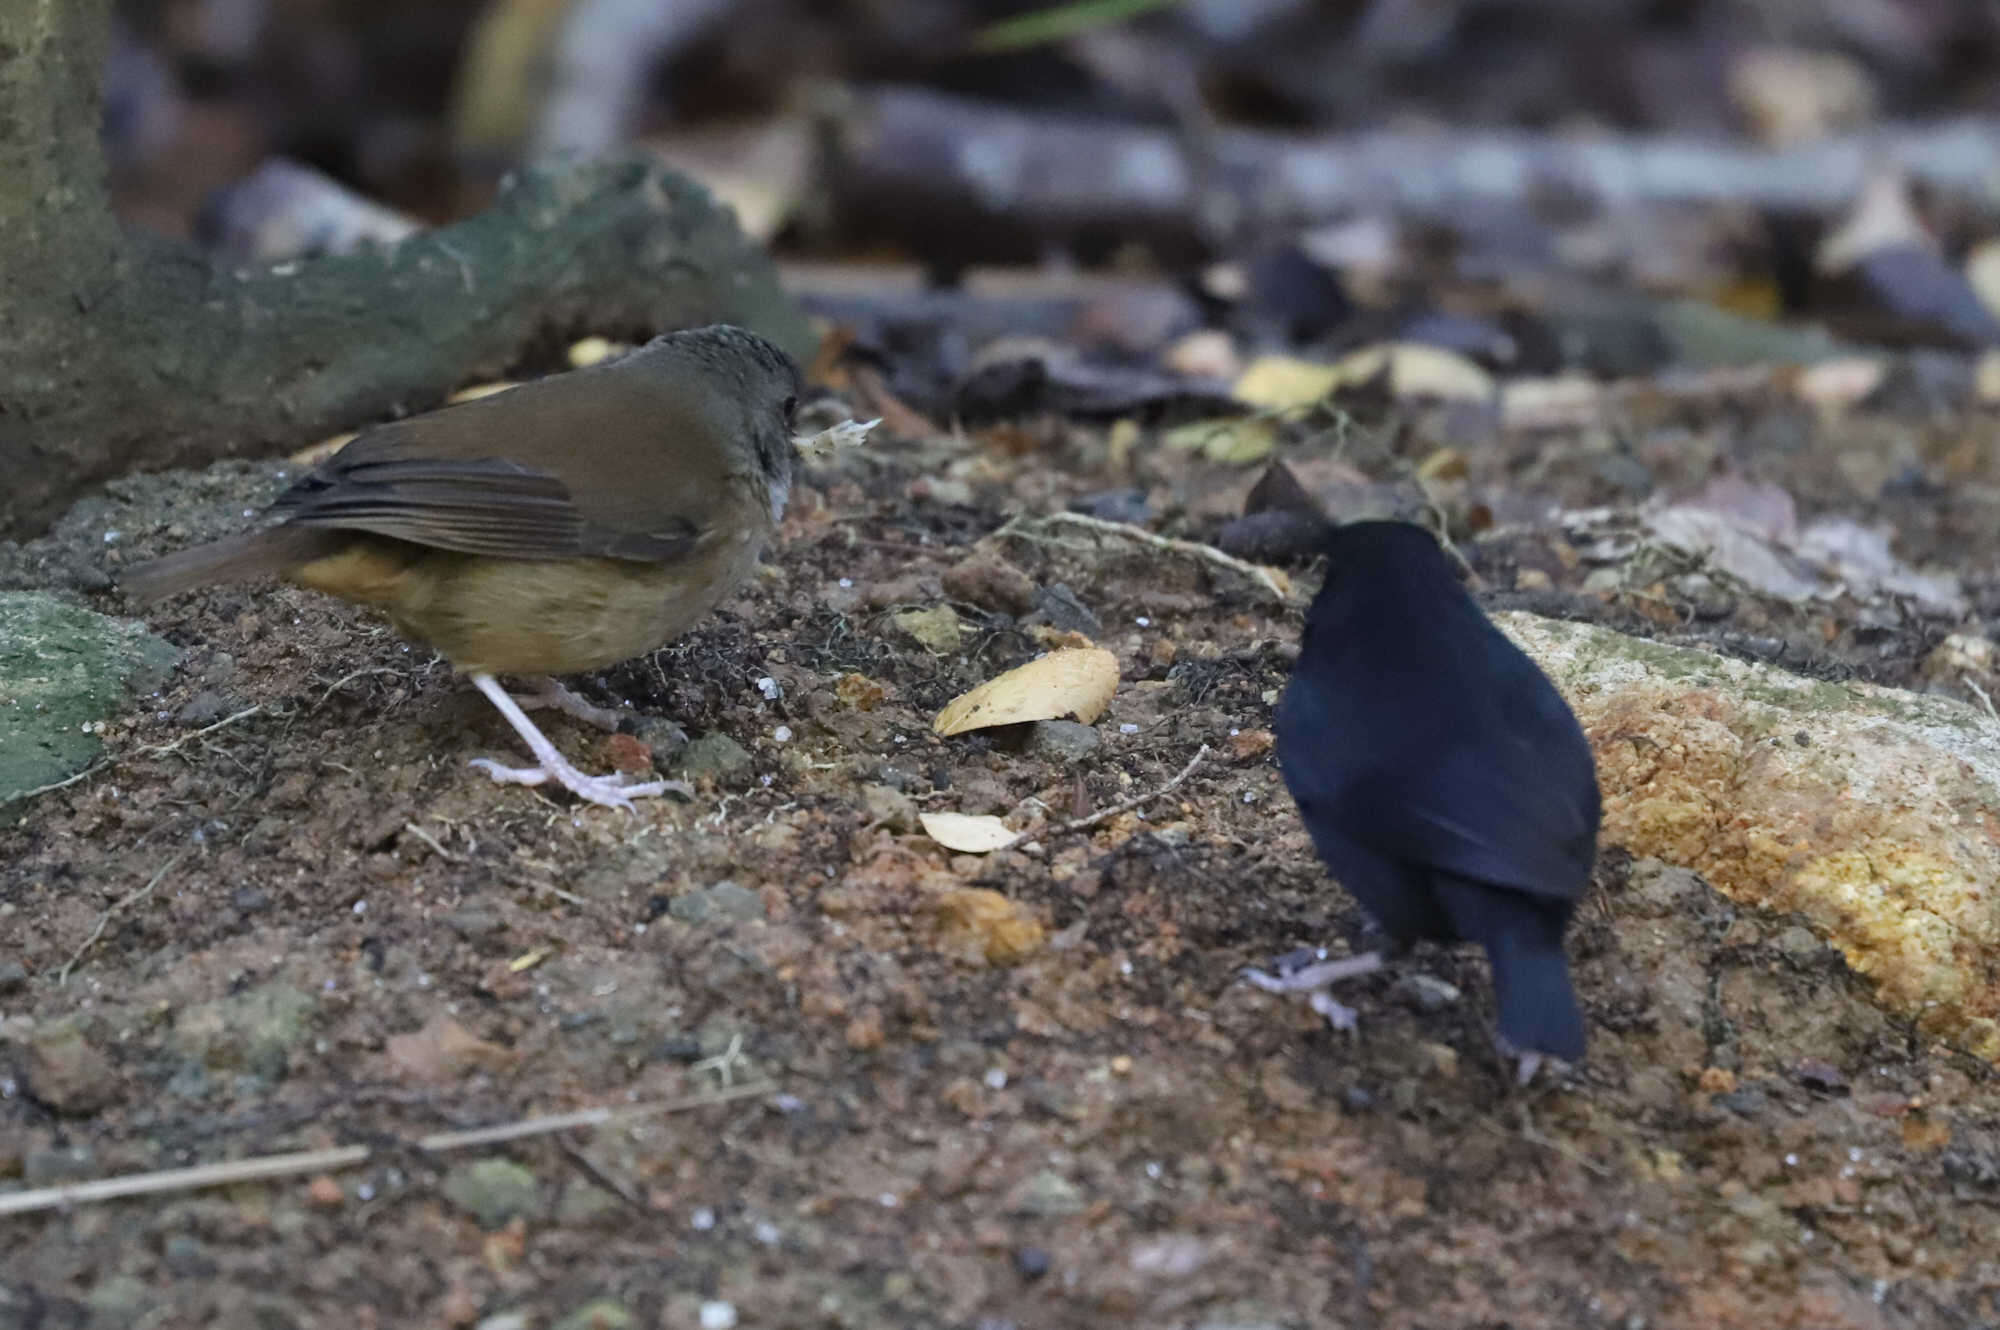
{"points": [[483, 506], [1497, 813]]}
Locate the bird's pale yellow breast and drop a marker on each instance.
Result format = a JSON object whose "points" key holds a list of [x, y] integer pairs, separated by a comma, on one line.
{"points": [[536, 616]]}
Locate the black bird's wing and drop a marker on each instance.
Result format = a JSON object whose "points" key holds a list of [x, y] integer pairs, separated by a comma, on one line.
{"points": [[1415, 732]]}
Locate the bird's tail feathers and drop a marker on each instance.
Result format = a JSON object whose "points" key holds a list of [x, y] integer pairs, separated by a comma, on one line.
{"points": [[241, 558], [1531, 980]]}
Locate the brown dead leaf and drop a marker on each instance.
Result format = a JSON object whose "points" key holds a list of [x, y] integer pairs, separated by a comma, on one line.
{"points": [[443, 1051], [987, 925], [860, 692]]}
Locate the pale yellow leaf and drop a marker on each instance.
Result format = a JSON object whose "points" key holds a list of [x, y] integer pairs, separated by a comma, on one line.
{"points": [[967, 833], [1237, 442], [1416, 370], [594, 351], [1283, 383], [1076, 681], [1209, 354], [1280, 383], [477, 391], [320, 451]]}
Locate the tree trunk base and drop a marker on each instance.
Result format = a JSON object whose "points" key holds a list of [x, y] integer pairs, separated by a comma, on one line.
{"points": [[149, 357]]}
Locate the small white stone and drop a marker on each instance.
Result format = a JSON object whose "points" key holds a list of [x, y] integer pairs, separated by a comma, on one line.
{"points": [[718, 1316]]}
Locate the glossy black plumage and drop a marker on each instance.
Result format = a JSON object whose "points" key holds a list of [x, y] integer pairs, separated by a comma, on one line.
{"points": [[1445, 782]]}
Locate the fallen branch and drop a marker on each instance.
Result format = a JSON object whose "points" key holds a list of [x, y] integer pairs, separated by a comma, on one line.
{"points": [[343, 1157], [935, 170]]}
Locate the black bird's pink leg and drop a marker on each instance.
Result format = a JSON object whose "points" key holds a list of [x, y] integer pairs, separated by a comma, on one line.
{"points": [[1311, 973]]}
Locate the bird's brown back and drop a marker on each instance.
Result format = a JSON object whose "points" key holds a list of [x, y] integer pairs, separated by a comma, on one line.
{"points": [[617, 461]]}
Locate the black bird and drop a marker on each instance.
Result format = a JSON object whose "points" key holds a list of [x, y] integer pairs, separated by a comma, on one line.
{"points": [[1445, 782]]}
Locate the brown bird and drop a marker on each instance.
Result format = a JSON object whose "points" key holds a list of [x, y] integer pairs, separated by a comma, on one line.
{"points": [[562, 526]]}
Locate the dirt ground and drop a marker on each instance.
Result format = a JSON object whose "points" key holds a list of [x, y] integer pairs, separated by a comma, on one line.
{"points": [[1020, 1089]]}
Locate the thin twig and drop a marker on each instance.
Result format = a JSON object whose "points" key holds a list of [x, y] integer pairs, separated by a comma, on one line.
{"points": [[152, 750], [1127, 805], [599, 1174], [348, 678], [104, 920], [1528, 1132], [432, 841], [1980, 693], [1032, 529], [348, 1156]]}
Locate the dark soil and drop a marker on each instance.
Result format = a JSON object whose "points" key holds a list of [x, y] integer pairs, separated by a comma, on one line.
{"points": [[223, 950]]}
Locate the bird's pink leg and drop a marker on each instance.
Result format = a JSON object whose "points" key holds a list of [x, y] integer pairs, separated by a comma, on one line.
{"points": [[613, 791], [551, 692], [1316, 978]]}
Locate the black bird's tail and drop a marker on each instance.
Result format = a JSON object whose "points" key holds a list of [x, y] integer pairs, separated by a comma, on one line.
{"points": [[1523, 937]]}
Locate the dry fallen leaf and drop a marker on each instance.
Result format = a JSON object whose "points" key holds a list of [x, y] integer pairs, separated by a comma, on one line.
{"points": [[1075, 682], [477, 391], [984, 925], [1280, 383], [1416, 370], [594, 351], [763, 169], [319, 452], [967, 833], [1237, 441], [1837, 384]]}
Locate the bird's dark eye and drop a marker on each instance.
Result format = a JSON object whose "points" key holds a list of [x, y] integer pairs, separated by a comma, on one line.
{"points": [[791, 405]]}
